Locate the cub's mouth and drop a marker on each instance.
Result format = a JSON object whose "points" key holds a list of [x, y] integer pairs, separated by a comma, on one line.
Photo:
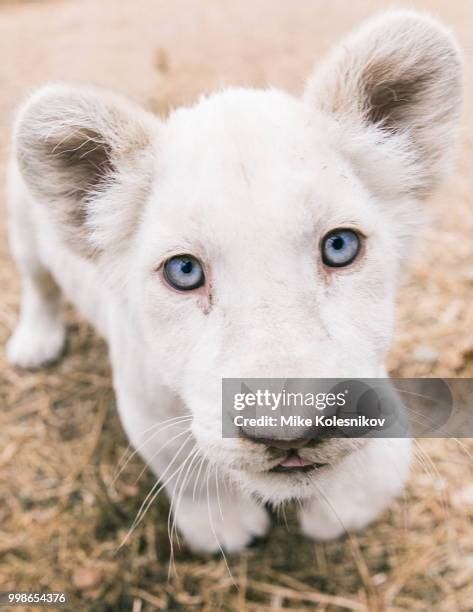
{"points": [[293, 462]]}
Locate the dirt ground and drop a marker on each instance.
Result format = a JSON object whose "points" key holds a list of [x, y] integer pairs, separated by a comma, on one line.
{"points": [[61, 518]]}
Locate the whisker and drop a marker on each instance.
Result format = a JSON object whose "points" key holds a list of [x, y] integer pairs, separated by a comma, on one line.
{"points": [[284, 516], [463, 447], [213, 529], [436, 475], [201, 465], [330, 505], [218, 494], [176, 498], [176, 454], [154, 492], [171, 529], [167, 422], [413, 393], [190, 470], [161, 448]]}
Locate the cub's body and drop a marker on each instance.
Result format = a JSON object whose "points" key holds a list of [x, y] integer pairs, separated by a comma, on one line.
{"points": [[247, 184]]}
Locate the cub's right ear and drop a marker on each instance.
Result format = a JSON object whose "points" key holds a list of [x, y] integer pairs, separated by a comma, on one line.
{"points": [[87, 156]]}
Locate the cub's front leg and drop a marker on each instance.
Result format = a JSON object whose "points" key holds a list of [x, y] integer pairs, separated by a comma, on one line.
{"points": [[215, 520], [358, 490], [40, 333]]}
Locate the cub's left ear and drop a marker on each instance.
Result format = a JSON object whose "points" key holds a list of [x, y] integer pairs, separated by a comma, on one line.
{"points": [[400, 75], [86, 156]]}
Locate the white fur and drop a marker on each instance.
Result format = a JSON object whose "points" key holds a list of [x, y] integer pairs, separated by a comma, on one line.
{"points": [[249, 181]]}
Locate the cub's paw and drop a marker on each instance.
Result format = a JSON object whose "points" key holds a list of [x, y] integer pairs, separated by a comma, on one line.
{"points": [[229, 526], [35, 345], [320, 523]]}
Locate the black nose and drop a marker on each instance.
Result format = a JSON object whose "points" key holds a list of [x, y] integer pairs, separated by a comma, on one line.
{"points": [[280, 444]]}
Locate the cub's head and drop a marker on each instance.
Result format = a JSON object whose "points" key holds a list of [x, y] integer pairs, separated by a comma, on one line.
{"points": [[256, 234]]}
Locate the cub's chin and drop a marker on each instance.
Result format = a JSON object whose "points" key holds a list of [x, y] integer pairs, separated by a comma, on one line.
{"points": [[281, 483]]}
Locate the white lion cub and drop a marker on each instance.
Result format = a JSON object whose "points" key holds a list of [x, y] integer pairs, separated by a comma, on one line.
{"points": [[253, 234]]}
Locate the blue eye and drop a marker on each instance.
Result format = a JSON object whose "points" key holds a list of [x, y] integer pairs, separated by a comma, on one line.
{"points": [[184, 272], [340, 247]]}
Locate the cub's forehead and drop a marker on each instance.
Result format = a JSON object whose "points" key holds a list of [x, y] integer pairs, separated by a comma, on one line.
{"points": [[248, 158], [236, 127]]}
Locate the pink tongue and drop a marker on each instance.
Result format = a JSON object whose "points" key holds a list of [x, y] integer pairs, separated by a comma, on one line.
{"points": [[294, 461]]}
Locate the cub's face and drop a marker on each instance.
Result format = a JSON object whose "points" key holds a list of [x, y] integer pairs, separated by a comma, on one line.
{"points": [[261, 253], [255, 234]]}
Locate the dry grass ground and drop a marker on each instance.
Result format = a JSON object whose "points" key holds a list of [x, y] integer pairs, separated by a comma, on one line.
{"points": [[61, 519]]}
